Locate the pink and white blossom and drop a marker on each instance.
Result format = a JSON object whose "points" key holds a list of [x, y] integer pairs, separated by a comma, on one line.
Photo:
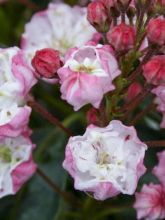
{"points": [[87, 75], [150, 202], [14, 120], [106, 161], [16, 77], [16, 164], [60, 27], [159, 170]]}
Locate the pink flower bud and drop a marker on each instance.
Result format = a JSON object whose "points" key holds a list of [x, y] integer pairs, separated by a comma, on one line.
{"points": [[92, 116], [122, 37], [156, 30], [97, 16], [133, 91], [150, 202], [154, 70], [46, 62]]}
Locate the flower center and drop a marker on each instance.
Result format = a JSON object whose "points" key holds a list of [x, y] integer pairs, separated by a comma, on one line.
{"points": [[83, 68], [5, 154], [103, 158]]}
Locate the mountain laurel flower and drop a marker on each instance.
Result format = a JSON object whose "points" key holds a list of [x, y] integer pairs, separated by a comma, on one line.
{"points": [[133, 91], [154, 70], [87, 75], [59, 27], [159, 170], [122, 37], [106, 161], [16, 77], [150, 202], [97, 16], [16, 164], [14, 120], [156, 30], [46, 62]]}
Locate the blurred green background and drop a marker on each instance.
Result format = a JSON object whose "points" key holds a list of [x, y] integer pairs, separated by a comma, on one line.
{"points": [[36, 200]]}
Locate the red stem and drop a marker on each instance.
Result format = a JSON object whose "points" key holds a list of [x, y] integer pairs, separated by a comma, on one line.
{"points": [[47, 115], [157, 143], [67, 197]]}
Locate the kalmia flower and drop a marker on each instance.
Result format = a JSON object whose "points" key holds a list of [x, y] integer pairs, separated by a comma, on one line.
{"points": [[87, 75], [16, 80], [156, 30], [154, 70], [60, 27], [46, 62], [106, 161], [16, 164], [150, 202], [122, 37], [159, 170]]}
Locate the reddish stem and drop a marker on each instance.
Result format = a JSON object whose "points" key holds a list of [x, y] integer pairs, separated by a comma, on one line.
{"points": [[139, 116], [47, 115], [67, 197], [157, 143], [29, 4]]}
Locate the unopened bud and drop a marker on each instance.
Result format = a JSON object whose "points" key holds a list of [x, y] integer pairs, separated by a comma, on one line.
{"points": [[122, 37], [46, 62], [97, 16]]}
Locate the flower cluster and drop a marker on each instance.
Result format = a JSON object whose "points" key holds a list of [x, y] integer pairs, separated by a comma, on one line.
{"points": [[15, 146], [111, 56]]}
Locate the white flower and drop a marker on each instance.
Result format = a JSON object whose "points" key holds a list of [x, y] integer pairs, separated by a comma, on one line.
{"points": [[106, 161], [15, 156], [60, 27]]}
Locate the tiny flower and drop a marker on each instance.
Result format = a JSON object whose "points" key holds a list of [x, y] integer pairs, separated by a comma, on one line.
{"points": [[16, 164], [150, 202], [122, 37], [106, 161], [46, 62], [87, 75], [154, 70], [159, 170], [156, 31], [133, 91], [97, 16], [59, 27]]}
